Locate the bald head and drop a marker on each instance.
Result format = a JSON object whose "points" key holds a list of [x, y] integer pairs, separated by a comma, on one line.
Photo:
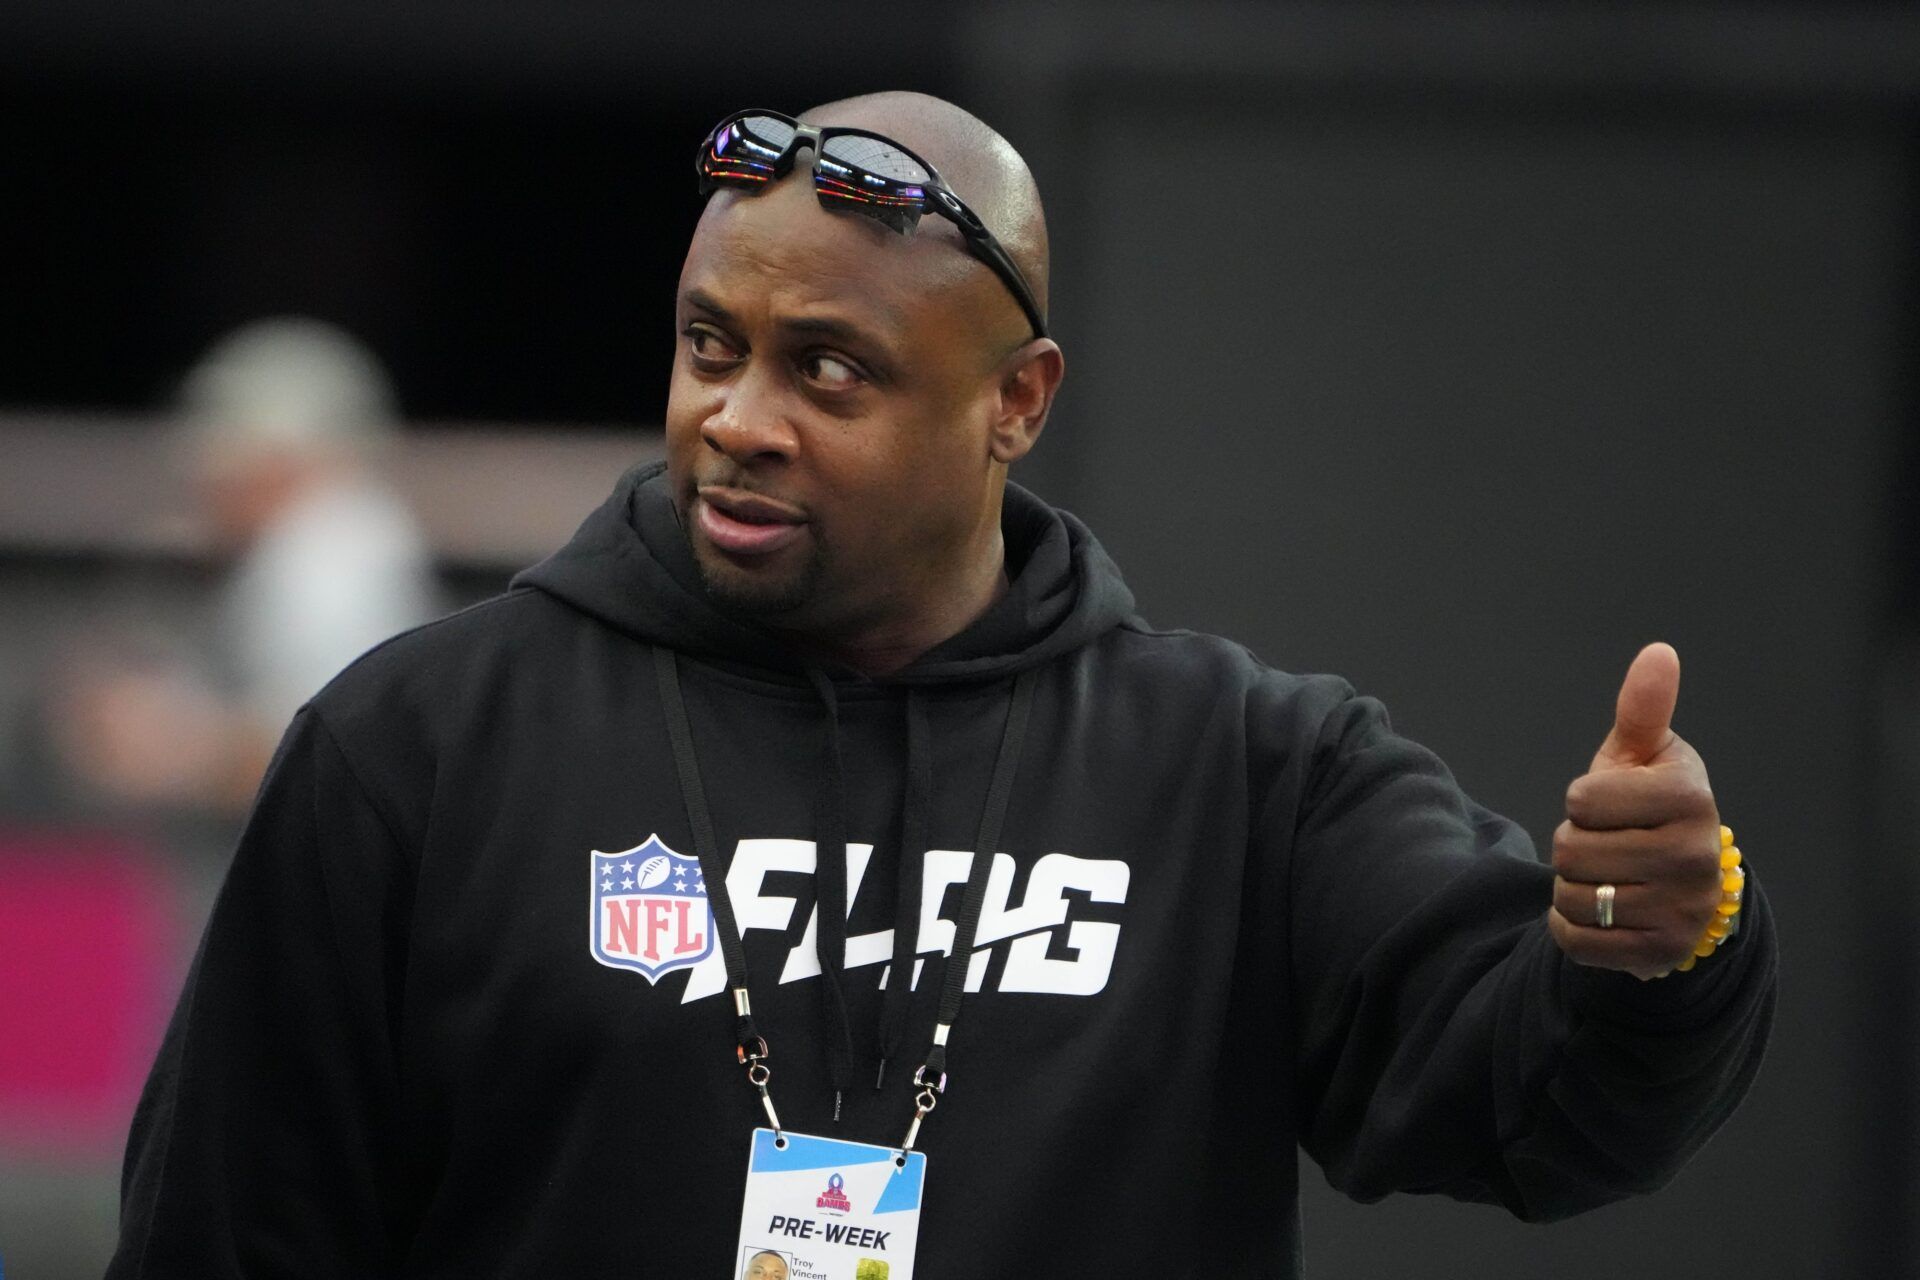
{"points": [[981, 166]]}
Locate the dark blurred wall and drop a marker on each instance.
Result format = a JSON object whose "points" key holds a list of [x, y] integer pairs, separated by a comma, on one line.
{"points": [[496, 201], [1463, 360]]}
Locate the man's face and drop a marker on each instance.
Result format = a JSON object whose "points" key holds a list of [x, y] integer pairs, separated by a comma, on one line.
{"points": [[767, 1266], [828, 423]]}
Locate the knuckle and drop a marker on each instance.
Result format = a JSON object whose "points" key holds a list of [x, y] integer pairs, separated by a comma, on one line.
{"points": [[1694, 795], [1701, 861], [1564, 854], [1579, 801]]}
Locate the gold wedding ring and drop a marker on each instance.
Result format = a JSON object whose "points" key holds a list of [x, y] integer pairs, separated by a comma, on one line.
{"points": [[1603, 906]]}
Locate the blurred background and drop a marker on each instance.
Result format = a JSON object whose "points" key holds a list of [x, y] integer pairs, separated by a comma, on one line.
{"points": [[1460, 349]]}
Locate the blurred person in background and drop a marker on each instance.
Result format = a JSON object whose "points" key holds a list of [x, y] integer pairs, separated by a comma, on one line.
{"points": [[284, 424]]}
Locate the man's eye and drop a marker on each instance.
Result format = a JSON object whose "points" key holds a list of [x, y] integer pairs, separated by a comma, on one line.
{"points": [[708, 345], [831, 373]]}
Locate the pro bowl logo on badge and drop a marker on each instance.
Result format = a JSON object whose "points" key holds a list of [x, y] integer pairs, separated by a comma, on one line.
{"points": [[834, 1198], [650, 910]]}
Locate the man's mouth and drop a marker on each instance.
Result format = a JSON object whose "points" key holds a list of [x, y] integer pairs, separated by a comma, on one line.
{"points": [[746, 524]]}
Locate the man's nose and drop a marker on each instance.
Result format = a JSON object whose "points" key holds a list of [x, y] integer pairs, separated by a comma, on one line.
{"points": [[750, 424]]}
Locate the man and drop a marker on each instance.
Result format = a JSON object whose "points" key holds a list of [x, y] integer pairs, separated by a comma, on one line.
{"points": [[894, 827]]}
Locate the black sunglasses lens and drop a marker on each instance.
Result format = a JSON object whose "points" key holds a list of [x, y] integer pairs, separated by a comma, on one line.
{"points": [[877, 157], [870, 175], [747, 150]]}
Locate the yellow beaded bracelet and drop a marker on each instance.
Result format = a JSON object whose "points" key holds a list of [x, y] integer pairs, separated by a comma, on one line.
{"points": [[1726, 922]]}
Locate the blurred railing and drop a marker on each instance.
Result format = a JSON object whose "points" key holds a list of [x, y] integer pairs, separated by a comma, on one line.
{"points": [[489, 496]]}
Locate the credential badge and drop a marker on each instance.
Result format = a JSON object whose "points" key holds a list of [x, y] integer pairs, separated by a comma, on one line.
{"points": [[650, 910]]}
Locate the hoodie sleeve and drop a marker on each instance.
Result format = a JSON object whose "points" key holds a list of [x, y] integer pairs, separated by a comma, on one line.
{"points": [[262, 1142], [1443, 1042]]}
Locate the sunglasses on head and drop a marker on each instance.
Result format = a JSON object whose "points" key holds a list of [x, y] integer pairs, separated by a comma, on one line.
{"points": [[854, 171]]}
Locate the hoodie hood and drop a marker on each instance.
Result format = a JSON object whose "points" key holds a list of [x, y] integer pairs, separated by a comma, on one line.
{"points": [[630, 566]]}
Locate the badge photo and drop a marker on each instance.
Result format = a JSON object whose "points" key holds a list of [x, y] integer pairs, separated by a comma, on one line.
{"points": [[766, 1264]]}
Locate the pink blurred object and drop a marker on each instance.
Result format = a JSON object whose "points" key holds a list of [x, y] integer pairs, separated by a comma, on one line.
{"points": [[89, 960]]}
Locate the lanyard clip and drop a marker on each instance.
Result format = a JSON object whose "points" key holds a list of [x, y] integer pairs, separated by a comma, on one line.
{"points": [[752, 1053], [923, 1105], [758, 1074], [924, 1101]]}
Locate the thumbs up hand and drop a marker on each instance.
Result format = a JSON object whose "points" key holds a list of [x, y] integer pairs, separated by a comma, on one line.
{"points": [[1641, 819]]}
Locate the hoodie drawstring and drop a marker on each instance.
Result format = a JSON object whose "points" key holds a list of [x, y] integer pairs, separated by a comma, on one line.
{"points": [[830, 891], [897, 1003], [986, 845], [693, 794]]}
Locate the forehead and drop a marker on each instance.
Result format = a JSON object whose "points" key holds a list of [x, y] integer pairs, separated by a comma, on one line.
{"points": [[779, 248]]}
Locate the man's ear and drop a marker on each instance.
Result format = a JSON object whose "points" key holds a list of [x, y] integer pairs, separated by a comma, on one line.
{"points": [[1028, 379]]}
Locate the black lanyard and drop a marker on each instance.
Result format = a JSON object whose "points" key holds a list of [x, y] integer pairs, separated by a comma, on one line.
{"points": [[750, 1047]]}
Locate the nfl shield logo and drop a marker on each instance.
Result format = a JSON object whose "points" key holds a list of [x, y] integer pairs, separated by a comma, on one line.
{"points": [[650, 910]]}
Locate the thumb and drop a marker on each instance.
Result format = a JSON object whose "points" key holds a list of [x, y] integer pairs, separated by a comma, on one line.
{"points": [[1643, 715]]}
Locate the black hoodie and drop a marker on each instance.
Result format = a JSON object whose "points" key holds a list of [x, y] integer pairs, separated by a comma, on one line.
{"points": [[1230, 911]]}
